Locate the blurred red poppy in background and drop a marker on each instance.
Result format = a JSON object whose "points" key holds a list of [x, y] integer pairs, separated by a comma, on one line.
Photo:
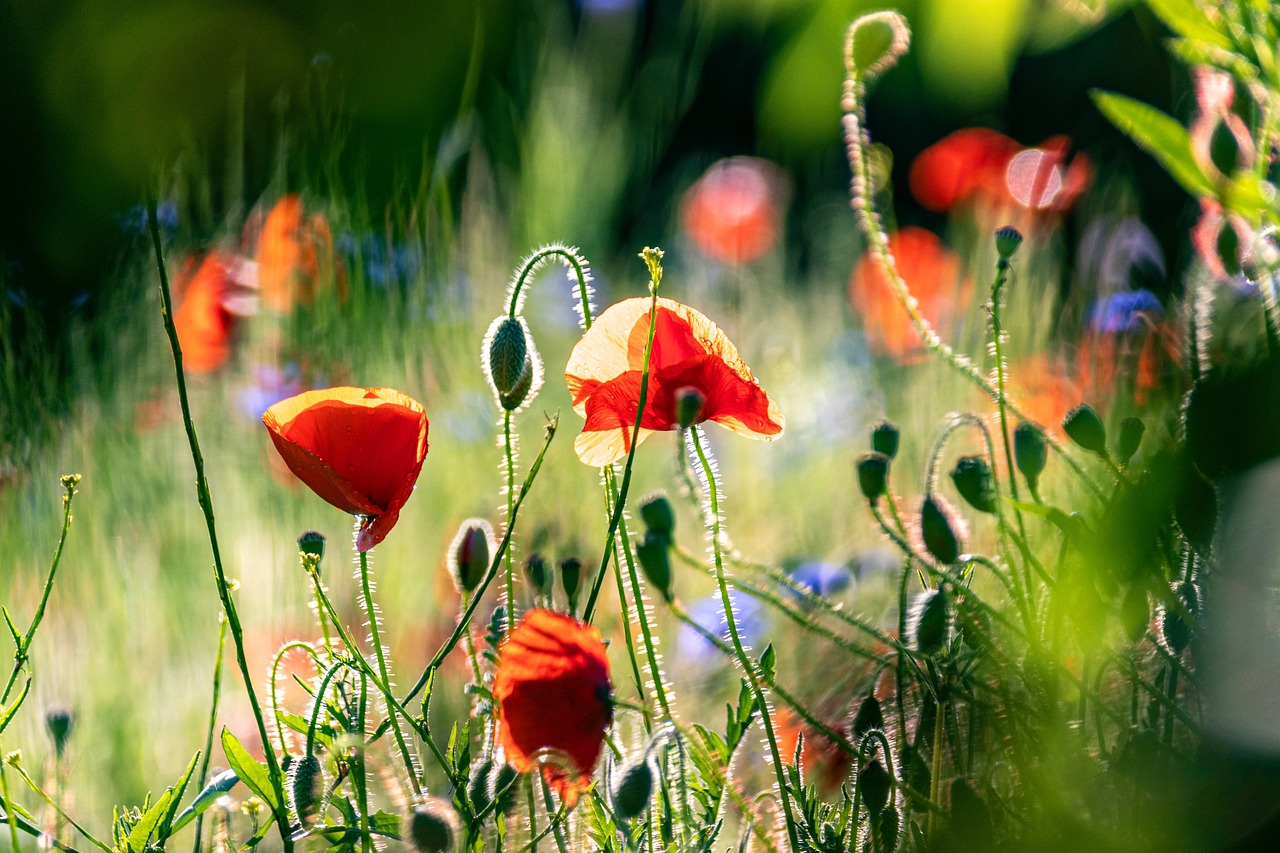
{"points": [[360, 449], [208, 308], [824, 762], [292, 253], [960, 166], [733, 212], [932, 273], [554, 695], [689, 352]]}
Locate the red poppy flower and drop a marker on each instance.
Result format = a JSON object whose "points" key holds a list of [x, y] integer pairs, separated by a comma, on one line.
{"points": [[960, 166], [359, 449], [553, 687], [931, 272], [291, 249], [202, 318], [732, 212], [689, 351], [823, 760]]}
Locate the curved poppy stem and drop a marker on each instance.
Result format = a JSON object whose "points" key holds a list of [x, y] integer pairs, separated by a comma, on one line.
{"points": [[274, 773], [754, 676], [571, 259], [275, 683]]}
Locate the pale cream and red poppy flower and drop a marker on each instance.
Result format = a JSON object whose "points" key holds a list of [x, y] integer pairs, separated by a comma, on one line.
{"points": [[360, 449], [689, 351], [555, 699]]}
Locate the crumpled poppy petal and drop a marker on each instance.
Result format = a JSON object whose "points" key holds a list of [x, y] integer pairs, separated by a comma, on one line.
{"points": [[733, 402]]}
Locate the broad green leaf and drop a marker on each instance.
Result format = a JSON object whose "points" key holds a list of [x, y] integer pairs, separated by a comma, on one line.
{"points": [[141, 832], [7, 717], [386, 824], [1159, 135], [769, 663], [252, 772], [166, 824], [218, 786], [1187, 19], [1245, 195], [252, 843]]}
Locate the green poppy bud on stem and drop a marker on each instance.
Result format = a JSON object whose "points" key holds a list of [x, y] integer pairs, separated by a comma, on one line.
{"points": [[884, 439], [876, 786], [57, 721], [938, 530], [469, 554], [631, 789], [929, 621], [657, 514], [1084, 426], [511, 362], [306, 786], [869, 716], [1131, 432], [502, 786], [434, 827], [311, 543], [1030, 453], [571, 580], [972, 478], [873, 475], [1008, 239], [538, 572], [1175, 630], [478, 788], [690, 402]]}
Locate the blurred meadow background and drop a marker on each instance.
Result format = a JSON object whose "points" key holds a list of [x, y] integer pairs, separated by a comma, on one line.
{"points": [[344, 191]]}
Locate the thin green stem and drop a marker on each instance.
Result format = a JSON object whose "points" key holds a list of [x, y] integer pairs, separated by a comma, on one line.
{"points": [[360, 776], [509, 590], [748, 665], [32, 784], [213, 723], [274, 773], [9, 812], [537, 259]]}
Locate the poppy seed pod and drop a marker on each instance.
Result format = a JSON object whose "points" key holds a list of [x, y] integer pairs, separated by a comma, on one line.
{"points": [[690, 402], [884, 439], [938, 531], [657, 514], [876, 786], [469, 554], [311, 543], [631, 789], [434, 827], [929, 621], [1008, 239], [571, 580], [538, 572], [1030, 453], [654, 553], [306, 785], [1084, 426], [1131, 432], [972, 478], [873, 475]]}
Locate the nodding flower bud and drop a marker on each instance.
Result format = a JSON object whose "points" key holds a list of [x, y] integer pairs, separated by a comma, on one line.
{"points": [[654, 553], [1131, 432], [929, 621], [873, 475], [502, 786], [1008, 239], [631, 789], [870, 716], [511, 362], [306, 786], [884, 439], [478, 790], [311, 543], [514, 399], [1175, 627], [571, 580], [657, 514], [538, 572], [1084, 426], [690, 401], [58, 721], [972, 478], [469, 554], [938, 531], [876, 786], [434, 826], [1030, 452]]}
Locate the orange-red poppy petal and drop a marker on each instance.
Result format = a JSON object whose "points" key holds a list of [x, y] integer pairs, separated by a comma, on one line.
{"points": [[553, 689], [203, 323]]}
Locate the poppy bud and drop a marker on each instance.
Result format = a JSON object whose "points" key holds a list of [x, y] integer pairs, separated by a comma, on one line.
{"points": [[1030, 453], [889, 829], [538, 572], [514, 399], [631, 789], [1008, 239], [478, 789], [876, 786], [311, 543], [690, 402], [938, 531], [657, 514], [1224, 148], [57, 721], [1083, 425], [506, 354], [306, 785], [653, 551], [873, 475], [869, 716], [571, 580], [929, 621], [469, 554], [884, 439], [972, 477], [502, 786], [1135, 613], [1228, 246], [1175, 630], [1131, 432], [434, 826]]}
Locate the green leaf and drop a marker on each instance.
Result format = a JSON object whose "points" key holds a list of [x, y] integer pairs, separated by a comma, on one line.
{"points": [[252, 772], [13, 629], [1246, 196], [252, 843], [1188, 20], [385, 824], [7, 717], [141, 832], [768, 663], [1159, 135], [166, 824], [218, 786]]}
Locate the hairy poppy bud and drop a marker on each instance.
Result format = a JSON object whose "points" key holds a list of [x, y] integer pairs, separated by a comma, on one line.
{"points": [[478, 788], [889, 829], [873, 475], [1008, 239], [434, 827], [57, 721], [1175, 630], [469, 554], [306, 786], [876, 786], [1084, 426], [538, 572], [1030, 453], [654, 553], [690, 402], [571, 580], [929, 621], [657, 514], [506, 353], [631, 789], [514, 399], [311, 543], [869, 716], [884, 439], [938, 531], [502, 786], [1131, 432], [972, 477]]}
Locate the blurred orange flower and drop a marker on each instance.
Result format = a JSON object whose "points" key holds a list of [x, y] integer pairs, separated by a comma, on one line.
{"points": [[1045, 390], [733, 212], [931, 272], [824, 762], [960, 166], [204, 323], [554, 695], [359, 449], [689, 351], [292, 250]]}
